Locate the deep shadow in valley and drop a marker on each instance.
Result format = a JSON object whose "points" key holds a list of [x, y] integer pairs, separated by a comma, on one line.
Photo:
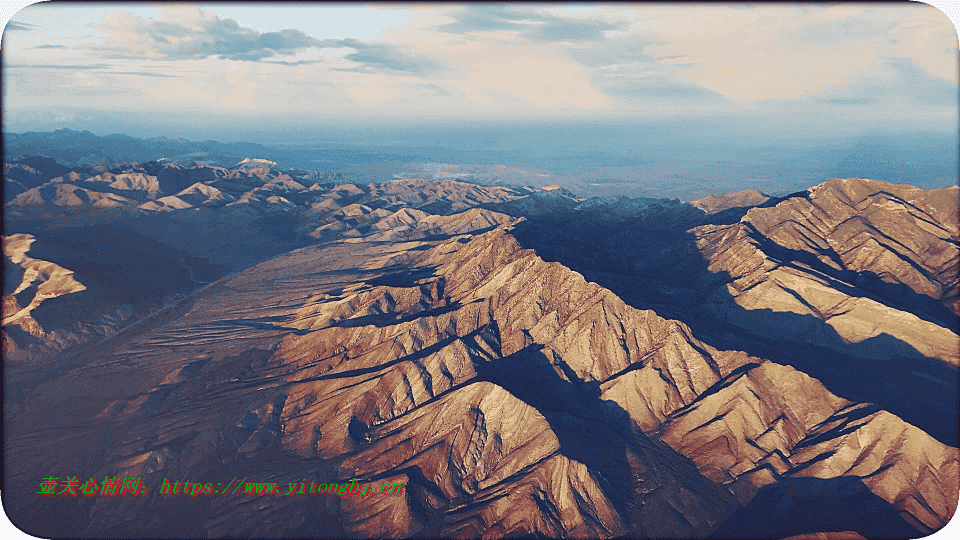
{"points": [[573, 411], [652, 262], [639, 476], [121, 265], [817, 505], [865, 283]]}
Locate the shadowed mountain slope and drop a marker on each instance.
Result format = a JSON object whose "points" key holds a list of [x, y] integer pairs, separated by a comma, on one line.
{"points": [[479, 376], [525, 362], [194, 224], [28, 282], [852, 325]]}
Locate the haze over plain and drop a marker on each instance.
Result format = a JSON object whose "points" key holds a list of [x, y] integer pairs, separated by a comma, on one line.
{"points": [[776, 97]]}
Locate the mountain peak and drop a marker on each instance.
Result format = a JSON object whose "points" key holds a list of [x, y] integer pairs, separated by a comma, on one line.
{"points": [[712, 204], [256, 162]]}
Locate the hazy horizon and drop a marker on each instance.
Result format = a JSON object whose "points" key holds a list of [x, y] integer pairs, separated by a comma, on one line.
{"points": [[648, 159], [714, 93]]}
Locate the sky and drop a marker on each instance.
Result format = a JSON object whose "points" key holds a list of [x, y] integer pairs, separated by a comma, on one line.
{"points": [[197, 64]]}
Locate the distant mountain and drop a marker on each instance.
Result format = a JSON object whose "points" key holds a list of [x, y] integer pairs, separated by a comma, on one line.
{"points": [[83, 148], [208, 220], [254, 163]]}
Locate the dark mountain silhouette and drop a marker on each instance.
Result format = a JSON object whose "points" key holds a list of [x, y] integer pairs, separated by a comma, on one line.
{"points": [[83, 148]]}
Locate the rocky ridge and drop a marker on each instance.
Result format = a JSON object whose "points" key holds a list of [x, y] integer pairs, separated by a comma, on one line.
{"points": [[779, 435], [421, 343], [853, 254], [712, 204], [482, 378], [35, 282]]}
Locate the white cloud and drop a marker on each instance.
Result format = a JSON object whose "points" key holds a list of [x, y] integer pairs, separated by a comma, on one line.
{"points": [[798, 52], [928, 37], [500, 71], [481, 61]]}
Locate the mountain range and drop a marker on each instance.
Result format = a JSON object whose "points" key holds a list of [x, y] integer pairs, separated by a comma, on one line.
{"points": [[524, 360], [684, 159]]}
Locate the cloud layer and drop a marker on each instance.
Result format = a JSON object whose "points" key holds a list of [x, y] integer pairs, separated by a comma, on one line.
{"points": [[533, 25], [484, 60], [194, 34]]}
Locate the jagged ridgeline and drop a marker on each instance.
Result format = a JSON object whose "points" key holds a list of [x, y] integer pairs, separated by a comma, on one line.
{"points": [[523, 361]]}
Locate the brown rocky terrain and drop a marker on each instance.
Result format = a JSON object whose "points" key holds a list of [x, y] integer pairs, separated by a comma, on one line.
{"points": [[69, 195], [33, 171], [108, 278], [227, 220], [506, 354], [712, 204], [796, 280], [903, 235], [871, 266], [30, 282], [483, 379]]}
